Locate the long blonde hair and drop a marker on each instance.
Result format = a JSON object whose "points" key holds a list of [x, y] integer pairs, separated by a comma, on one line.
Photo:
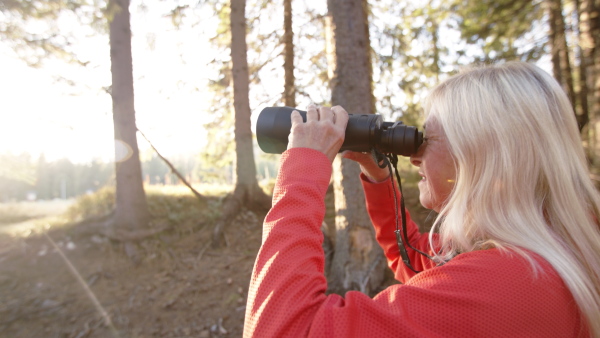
{"points": [[522, 176]]}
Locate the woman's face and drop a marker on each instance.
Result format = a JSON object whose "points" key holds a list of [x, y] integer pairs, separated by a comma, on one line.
{"points": [[436, 167]]}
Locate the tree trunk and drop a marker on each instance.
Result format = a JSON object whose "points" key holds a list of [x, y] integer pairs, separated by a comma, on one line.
{"points": [[594, 19], [358, 262], [246, 193], [589, 38], [559, 49], [582, 113], [131, 211], [289, 94]]}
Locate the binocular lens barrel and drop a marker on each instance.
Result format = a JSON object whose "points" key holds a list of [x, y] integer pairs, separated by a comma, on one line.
{"points": [[363, 133]]}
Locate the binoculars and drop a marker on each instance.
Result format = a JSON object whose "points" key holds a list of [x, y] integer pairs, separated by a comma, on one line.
{"points": [[363, 133]]}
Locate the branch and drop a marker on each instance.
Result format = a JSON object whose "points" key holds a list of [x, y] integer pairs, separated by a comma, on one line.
{"points": [[201, 198]]}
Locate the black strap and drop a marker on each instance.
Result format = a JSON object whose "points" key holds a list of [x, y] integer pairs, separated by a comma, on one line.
{"points": [[390, 160]]}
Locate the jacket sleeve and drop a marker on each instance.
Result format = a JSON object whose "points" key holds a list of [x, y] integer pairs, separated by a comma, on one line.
{"points": [[478, 294], [290, 263], [380, 206]]}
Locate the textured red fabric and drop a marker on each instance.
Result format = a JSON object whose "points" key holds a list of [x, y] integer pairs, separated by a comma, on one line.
{"points": [[486, 293]]}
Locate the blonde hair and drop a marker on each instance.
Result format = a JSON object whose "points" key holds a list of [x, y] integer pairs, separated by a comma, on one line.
{"points": [[522, 177]]}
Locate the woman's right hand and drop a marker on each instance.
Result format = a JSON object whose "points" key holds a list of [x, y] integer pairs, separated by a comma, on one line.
{"points": [[368, 165], [324, 129]]}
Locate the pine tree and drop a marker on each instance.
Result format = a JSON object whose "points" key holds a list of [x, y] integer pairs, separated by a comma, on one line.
{"points": [[357, 262], [246, 192]]}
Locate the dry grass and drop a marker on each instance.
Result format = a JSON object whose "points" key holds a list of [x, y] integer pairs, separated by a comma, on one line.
{"points": [[22, 211], [172, 203], [20, 219]]}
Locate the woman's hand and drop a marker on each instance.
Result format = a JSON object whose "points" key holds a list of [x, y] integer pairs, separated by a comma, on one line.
{"points": [[324, 130], [368, 165]]}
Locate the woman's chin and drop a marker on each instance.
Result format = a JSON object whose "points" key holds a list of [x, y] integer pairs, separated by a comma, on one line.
{"points": [[425, 200]]}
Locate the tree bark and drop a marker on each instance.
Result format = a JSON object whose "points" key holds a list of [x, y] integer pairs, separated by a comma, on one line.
{"points": [[358, 262], [582, 113], [131, 210], [289, 94], [589, 38], [246, 193], [559, 49]]}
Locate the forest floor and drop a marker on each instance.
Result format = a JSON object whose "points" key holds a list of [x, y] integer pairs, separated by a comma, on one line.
{"points": [[59, 280]]}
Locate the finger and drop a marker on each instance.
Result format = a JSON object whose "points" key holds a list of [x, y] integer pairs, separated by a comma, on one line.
{"points": [[341, 116], [357, 156], [352, 155], [296, 118], [348, 154], [312, 114], [326, 114]]}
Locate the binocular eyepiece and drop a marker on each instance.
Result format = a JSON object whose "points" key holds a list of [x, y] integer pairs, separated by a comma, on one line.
{"points": [[363, 133]]}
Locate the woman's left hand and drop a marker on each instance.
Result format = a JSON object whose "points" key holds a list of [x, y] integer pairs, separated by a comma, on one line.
{"points": [[368, 165], [324, 130]]}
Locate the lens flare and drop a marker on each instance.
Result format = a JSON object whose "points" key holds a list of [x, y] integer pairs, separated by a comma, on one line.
{"points": [[123, 151]]}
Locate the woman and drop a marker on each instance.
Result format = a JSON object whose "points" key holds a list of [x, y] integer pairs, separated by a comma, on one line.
{"points": [[518, 230]]}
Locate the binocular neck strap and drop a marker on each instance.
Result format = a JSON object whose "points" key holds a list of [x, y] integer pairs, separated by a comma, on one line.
{"points": [[389, 160]]}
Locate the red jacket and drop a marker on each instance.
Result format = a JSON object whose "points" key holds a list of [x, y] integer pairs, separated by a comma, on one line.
{"points": [[486, 293]]}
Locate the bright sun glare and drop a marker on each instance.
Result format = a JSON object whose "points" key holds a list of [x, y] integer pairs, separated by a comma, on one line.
{"points": [[42, 115]]}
